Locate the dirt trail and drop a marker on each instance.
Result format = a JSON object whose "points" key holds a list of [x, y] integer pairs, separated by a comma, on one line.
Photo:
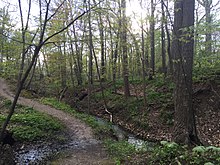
{"points": [[93, 153]]}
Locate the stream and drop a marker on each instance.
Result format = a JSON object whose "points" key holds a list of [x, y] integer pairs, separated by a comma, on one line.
{"points": [[42, 153]]}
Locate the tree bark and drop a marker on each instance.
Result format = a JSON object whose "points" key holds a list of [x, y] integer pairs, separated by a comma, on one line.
{"points": [[124, 49], [163, 50], [143, 64], [41, 42], [152, 40], [183, 42], [170, 58]]}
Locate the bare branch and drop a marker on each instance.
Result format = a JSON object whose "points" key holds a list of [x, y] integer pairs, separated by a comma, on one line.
{"points": [[57, 9], [21, 14], [45, 23], [28, 15], [66, 27], [60, 31]]}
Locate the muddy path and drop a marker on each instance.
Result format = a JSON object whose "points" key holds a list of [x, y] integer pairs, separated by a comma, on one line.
{"points": [[92, 151]]}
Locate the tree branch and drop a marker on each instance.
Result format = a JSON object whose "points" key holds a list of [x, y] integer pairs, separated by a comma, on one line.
{"points": [[56, 10], [18, 41]]}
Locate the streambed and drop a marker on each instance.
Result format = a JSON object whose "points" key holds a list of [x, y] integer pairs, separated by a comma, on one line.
{"points": [[42, 153], [45, 152]]}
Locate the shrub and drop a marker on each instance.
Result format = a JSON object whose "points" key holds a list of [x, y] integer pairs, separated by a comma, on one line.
{"points": [[172, 153]]}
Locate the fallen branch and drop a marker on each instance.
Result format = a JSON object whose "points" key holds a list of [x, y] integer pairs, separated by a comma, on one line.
{"points": [[216, 93], [62, 93]]}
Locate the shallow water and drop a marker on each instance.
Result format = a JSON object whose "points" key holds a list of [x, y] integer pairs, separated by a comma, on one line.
{"points": [[132, 139], [141, 144], [41, 153], [35, 154]]}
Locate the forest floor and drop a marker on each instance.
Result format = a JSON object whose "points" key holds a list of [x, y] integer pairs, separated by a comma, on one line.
{"points": [[154, 122], [92, 153], [151, 122]]}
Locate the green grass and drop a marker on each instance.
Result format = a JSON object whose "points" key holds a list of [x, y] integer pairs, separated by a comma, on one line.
{"points": [[120, 150], [28, 124], [88, 119], [28, 133], [37, 120]]}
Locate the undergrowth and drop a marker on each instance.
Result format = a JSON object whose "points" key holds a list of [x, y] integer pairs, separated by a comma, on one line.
{"points": [[28, 124], [172, 153], [119, 150], [88, 119]]}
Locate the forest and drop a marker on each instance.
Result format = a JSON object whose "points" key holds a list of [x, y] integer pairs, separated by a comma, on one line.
{"points": [[110, 82]]}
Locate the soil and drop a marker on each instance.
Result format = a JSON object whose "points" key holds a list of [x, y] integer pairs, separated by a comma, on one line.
{"points": [[155, 123], [92, 153], [152, 123]]}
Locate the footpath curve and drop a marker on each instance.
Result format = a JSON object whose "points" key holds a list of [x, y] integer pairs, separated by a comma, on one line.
{"points": [[93, 153]]}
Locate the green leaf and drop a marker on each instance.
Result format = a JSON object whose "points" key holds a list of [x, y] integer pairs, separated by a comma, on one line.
{"points": [[217, 149], [163, 143], [208, 163], [199, 149]]}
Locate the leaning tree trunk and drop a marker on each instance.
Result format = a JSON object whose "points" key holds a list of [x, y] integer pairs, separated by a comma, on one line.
{"points": [[184, 124], [41, 42]]}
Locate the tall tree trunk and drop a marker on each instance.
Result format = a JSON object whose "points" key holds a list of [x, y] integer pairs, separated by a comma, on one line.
{"points": [[124, 49], [73, 66], [114, 66], [101, 85], [90, 66], [110, 67], [32, 75], [90, 51], [62, 66], [163, 51], [208, 35], [136, 63], [45, 63], [170, 68], [101, 31], [183, 42], [78, 59], [170, 58], [208, 20], [152, 39], [143, 64]]}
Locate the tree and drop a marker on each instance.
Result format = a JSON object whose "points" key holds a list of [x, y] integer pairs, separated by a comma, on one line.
{"points": [[163, 51], [208, 20], [152, 39], [183, 42], [170, 58], [101, 33], [124, 49], [42, 40], [7, 49]]}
